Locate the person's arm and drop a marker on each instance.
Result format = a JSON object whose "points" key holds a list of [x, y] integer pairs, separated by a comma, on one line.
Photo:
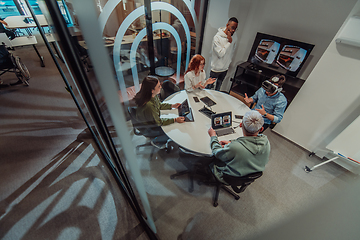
{"points": [[165, 106], [255, 97], [190, 85], [208, 81], [220, 48], [247, 99], [278, 113], [188, 79], [220, 152], [3, 22]]}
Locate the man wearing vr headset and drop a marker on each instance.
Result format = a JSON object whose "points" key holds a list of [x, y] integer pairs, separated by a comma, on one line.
{"points": [[270, 102]]}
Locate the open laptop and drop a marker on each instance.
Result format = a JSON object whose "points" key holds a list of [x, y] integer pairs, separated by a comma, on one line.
{"points": [[185, 111], [222, 123]]}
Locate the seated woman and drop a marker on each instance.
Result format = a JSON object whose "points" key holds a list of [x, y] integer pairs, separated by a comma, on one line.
{"points": [[195, 75], [149, 106]]}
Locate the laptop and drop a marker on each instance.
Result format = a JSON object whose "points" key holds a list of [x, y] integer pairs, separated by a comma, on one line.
{"points": [[207, 112], [222, 123], [208, 101], [185, 111]]}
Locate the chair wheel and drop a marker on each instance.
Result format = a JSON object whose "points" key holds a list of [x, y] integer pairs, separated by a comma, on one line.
{"points": [[172, 177], [215, 204], [237, 198]]}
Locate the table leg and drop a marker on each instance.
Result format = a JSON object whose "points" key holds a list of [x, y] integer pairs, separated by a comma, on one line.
{"points": [[57, 52], [41, 57], [307, 169]]}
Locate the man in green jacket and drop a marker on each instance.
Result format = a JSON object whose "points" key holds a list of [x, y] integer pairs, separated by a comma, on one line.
{"points": [[244, 155]]}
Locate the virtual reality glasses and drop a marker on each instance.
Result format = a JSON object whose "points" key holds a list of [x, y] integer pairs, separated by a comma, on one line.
{"points": [[271, 87]]}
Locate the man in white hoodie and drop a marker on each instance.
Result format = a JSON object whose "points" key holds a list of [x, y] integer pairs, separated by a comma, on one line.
{"points": [[223, 48]]}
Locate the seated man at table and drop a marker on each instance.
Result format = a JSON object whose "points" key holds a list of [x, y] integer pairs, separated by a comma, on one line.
{"points": [[244, 155], [270, 102]]}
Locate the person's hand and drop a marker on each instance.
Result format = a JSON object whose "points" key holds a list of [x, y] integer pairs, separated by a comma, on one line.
{"points": [[224, 142], [247, 99], [3, 22], [176, 105], [211, 132], [198, 86], [262, 110], [229, 37], [180, 119], [210, 81]]}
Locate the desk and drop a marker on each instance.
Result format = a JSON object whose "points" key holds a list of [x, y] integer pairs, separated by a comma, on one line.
{"points": [[18, 21], [194, 136], [15, 22]]}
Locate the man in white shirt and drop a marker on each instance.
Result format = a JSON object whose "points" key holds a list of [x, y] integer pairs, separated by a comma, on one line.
{"points": [[223, 48]]}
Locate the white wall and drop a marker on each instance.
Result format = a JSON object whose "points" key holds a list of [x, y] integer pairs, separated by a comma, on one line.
{"points": [[328, 101], [312, 21]]}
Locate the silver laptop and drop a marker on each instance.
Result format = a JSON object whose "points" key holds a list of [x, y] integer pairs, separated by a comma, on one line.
{"points": [[222, 123]]}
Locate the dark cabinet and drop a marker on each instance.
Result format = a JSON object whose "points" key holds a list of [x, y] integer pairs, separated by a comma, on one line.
{"points": [[249, 77]]}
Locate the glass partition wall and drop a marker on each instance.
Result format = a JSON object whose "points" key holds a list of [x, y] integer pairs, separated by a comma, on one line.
{"points": [[108, 48]]}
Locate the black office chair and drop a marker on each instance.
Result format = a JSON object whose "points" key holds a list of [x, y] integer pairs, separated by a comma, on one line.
{"points": [[140, 129], [83, 54], [168, 88], [238, 184], [11, 63]]}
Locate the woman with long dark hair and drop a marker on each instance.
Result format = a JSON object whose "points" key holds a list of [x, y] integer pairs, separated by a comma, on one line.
{"points": [[195, 75], [149, 106]]}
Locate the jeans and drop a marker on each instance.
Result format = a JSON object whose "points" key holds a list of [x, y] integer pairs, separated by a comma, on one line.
{"points": [[219, 79]]}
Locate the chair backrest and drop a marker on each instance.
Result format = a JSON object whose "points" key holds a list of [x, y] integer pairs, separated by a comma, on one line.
{"points": [[5, 40], [135, 123], [168, 88], [239, 184], [5, 58], [138, 127]]}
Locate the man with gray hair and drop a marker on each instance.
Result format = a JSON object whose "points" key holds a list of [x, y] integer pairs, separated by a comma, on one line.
{"points": [[244, 155]]}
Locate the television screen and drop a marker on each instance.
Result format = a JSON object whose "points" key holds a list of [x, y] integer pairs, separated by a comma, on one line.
{"points": [[284, 55]]}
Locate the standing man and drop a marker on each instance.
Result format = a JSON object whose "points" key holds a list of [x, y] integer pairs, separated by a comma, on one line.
{"points": [[244, 155], [270, 102], [223, 48]]}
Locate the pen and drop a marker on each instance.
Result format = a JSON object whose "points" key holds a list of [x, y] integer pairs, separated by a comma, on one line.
{"points": [[353, 160], [341, 155]]}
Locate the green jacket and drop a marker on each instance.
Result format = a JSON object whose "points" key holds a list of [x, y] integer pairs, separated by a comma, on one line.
{"points": [[149, 114], [242, 156]]}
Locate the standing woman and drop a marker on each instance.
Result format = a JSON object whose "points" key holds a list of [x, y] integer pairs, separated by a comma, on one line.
{"points": [[149, 106], [195, 74]]}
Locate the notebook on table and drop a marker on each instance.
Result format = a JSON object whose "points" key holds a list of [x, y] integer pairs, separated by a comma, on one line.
{"points": [[222, 123], [185, 111], [208, 101]]}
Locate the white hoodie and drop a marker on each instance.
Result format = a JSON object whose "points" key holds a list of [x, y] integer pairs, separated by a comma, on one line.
{"points": [[222, 51]]}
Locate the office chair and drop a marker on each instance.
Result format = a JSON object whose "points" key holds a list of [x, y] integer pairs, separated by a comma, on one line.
{"points": [[238, 184], [197, 166], [83, 54], [11, 63], [168, 88], [140, 129]]}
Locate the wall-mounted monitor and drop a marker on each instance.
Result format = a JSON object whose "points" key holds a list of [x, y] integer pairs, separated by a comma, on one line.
{"points": [[281, 54]]}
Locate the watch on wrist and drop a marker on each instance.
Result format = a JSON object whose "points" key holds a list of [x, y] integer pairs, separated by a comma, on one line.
{"points": [[265, 115]]}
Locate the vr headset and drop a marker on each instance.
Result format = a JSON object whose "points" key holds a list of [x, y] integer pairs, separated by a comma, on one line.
{"points": [[270, 87]]}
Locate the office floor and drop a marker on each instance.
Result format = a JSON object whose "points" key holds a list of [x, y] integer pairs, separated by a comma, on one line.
{"points": [[53, 184]]}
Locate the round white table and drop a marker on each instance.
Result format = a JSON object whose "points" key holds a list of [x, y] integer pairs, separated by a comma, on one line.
{"points": [[194, 136]]}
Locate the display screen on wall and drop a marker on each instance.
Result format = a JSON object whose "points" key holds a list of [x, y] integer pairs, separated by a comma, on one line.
{"points": [[279, 53]]}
